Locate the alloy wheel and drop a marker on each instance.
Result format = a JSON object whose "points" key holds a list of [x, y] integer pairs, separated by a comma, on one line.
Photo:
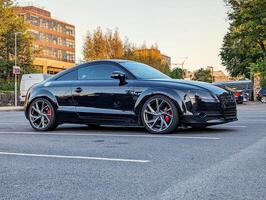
{"points": [[40, 114], [158, 114], [263, 99]]}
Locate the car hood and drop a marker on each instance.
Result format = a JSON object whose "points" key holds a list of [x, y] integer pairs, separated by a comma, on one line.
{"points": [[198, 84]]}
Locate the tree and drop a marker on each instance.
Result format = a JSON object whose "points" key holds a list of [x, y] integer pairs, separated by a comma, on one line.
{"points": [[108, 45], [243, 49], [100, 45], [10, 24], [203, 75], [151, 56], [177, 73], [115, 45]]}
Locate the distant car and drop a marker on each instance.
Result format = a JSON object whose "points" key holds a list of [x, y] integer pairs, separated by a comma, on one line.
{"points": [[238, 94], [120, 92], [27, 81], [244, 86], [261, 95]]}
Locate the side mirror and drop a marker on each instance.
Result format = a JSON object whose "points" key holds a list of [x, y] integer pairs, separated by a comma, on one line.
{"points": [[120, 76]]}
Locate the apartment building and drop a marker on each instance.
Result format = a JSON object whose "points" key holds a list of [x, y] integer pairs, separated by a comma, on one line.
{"points": [[54, 40]]}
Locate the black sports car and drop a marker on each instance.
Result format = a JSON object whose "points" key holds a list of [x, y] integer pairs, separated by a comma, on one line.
{"points": [[120, 92]]}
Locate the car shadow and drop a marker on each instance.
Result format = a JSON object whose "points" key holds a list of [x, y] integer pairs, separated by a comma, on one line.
{"points": [[140, 130]]}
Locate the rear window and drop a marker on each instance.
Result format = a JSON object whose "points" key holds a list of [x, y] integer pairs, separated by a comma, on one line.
{"points": [[71, 76], [262, 90]]}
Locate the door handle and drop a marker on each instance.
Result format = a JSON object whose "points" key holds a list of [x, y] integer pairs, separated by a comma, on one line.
{"points": [[78, 90]]}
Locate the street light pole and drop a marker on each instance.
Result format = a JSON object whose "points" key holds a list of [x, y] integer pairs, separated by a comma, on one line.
{"points": [[16, 90], [212, 74]]}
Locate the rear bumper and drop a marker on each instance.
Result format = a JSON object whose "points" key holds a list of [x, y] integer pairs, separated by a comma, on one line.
{"points": [[22, 98]]}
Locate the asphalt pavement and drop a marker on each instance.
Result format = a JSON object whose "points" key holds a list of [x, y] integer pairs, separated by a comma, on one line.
{"points": [[76, 162]]}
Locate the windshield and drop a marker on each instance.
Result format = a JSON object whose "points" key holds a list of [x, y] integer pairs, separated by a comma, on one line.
{"points": [[143, 71]]}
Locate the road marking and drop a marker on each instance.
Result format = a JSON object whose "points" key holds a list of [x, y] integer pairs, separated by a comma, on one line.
{"points": [[113, 135], [252, 120], [74, 157], [234, 126], [14, 122]]}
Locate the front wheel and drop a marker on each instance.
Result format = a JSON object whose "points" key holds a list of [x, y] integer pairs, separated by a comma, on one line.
{"points": [[159, 115], [42, 115]]}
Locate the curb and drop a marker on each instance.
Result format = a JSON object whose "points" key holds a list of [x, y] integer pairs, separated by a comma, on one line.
{"points": [[11, 108]]}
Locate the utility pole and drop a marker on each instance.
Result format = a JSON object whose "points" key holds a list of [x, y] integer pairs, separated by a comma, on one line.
{"points": [[16, 90]]}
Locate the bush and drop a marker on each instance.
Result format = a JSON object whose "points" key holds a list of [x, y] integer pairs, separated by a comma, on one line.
{"points": [[4, 86]]}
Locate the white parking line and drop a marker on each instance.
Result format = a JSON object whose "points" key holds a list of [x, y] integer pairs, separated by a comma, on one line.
{"points": [[252, 120], [14, 122], [236, 126], [100, 134], [73, 157]]}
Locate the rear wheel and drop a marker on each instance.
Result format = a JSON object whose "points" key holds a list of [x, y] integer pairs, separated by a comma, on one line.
{"points": [[263, 99], [159, 115], [42, 115]]}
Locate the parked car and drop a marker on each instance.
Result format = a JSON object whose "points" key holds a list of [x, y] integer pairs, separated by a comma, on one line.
{"points": [[238, 94], [261, 95], [119, 92], [243, 86], [27, 81]]}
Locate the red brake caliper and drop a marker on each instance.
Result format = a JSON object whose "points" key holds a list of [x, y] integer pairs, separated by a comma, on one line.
{"points": [[167, 119], [49, 113]]}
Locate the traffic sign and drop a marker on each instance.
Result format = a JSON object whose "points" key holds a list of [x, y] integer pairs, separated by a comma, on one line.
{"points": [[16, 70]]}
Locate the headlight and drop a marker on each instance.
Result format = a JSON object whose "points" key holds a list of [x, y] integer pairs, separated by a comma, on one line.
{"points": [[201, 95]]}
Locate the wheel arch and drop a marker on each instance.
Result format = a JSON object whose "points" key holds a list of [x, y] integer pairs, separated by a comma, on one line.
{"points": [[172, 94], [41, 94]]}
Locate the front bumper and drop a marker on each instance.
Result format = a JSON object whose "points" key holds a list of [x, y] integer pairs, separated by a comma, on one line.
{"points": [[206, 120], [211, 113]]}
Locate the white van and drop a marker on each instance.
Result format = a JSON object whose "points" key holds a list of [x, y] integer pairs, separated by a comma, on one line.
{"points": [[29, 80]]}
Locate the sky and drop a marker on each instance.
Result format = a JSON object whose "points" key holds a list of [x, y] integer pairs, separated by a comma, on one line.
{"points": [[181, 28]]}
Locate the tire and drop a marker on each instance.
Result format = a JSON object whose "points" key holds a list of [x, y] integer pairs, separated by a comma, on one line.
{"points": [[263, 99], [41, 115], [159, 115]]}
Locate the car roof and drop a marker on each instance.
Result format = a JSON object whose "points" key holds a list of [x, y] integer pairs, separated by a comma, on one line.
{"points": [[110, 61], [233, 82]]}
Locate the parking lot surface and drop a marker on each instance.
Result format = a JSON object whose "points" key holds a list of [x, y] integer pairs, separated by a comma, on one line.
{"points": [[76, 162]]}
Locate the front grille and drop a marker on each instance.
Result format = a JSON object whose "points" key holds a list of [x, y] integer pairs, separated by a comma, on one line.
{"points": [[228, 100], [230, 114], [229, 106]]}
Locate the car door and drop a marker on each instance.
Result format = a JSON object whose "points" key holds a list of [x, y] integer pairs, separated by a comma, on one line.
{"points": [[62, 89], [99, 98]]}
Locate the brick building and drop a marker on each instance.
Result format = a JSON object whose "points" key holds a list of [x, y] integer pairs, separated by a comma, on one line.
{"points": [[54, 39]]}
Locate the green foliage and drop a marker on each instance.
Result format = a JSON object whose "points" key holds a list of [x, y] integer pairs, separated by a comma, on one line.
{"points": [[203, 75], [177, 73], [243, 48], [10, 24], [108, 45]]}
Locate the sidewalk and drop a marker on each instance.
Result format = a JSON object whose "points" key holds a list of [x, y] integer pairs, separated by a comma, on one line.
{"points": [[11, 108]]}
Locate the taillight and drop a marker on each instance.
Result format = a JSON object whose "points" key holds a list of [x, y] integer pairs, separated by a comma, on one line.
{"points": [[237, 94]]}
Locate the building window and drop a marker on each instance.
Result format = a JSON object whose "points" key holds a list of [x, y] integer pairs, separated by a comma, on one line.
{"points": [[34, 20]]}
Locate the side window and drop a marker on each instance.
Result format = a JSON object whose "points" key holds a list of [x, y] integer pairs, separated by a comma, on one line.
{"points": [[97, 72], [71, 76]]}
